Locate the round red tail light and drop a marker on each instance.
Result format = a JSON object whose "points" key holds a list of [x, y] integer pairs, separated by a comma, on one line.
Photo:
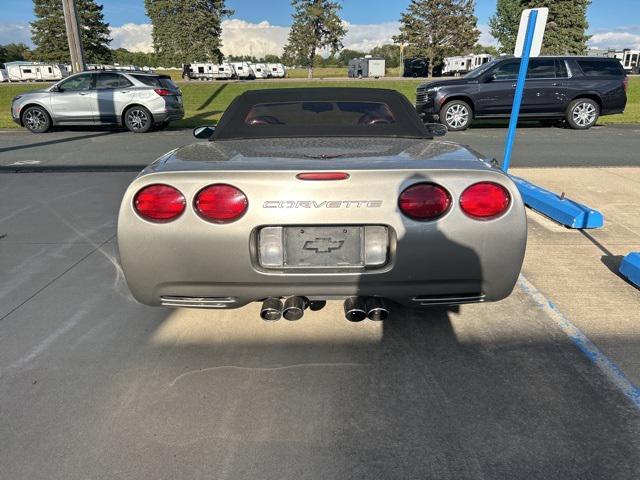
{"points": [[424, 201], [485, 200], [221, 203], [159, 203]]}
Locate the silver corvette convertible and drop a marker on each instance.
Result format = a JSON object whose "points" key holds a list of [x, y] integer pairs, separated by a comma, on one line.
{"points": [[300, 196]]}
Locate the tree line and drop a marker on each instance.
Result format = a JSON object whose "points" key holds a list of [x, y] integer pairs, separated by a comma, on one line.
{"points": [[190, 30]]}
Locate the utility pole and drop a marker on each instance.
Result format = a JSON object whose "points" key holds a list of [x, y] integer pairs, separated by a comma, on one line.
{"points": [[73, 35]]}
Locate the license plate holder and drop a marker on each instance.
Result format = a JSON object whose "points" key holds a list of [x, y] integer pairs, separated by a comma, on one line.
{"points": [[323, 247]]}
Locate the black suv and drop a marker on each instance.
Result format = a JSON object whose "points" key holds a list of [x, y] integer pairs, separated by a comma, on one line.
{"points": [[576, 89]]}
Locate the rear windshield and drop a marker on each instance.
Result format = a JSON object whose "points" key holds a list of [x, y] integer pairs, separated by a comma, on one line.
{"points": [[157, 81], [318, 114], [601, 68]]}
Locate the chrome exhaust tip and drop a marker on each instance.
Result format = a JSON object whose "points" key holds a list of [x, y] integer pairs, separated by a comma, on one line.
{"points": [[377, 309], [271, 309], [294, 308], [355, 309]]}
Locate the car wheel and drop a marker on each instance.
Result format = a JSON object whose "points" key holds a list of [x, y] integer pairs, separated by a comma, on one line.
{"points": [[456, 115], [138, 119], [36, 119], [582, 114]]}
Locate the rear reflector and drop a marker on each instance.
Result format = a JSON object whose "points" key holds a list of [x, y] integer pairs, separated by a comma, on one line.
{"points": [[625, 82], [323, 176], [424, 201], [159, 203], [485, 200], [163, 92], [221, 203]]}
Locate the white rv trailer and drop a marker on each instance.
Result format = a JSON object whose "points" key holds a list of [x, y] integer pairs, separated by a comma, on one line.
{"points": [[276, 70], [366, 66], [4, 76], [631, 61], [207, 71], [241, 70], [464, 63], [260, 70], [35, 72]]}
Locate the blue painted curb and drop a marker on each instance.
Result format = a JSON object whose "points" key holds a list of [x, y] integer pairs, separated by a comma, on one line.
{"points": [[563, 210], [630, 268]]}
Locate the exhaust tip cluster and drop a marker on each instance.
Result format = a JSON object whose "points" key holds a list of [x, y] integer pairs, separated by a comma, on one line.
{"points": [[356, 309]]}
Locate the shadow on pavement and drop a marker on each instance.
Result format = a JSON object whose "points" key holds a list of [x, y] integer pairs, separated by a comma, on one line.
{"points": [[56, 141]]}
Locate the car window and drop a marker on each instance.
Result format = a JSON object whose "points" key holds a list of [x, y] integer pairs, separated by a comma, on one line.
{"points": [[541, 68], [78, 83], [111, 80], [507, 70], [320, 113], [599, 68], [157, 81], [561, 69]]}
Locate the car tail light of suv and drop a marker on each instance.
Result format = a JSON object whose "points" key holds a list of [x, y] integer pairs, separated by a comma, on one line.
{"points": [[163, 92], [485, 200], [424, 201], [159, 203], [221, 203]]}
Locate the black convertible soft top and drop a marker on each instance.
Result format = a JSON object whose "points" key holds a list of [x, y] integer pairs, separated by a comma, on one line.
{"points": [[320, 112]]}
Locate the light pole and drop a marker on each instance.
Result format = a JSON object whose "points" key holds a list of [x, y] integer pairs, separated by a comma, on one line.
{"points": [[73, 35]]}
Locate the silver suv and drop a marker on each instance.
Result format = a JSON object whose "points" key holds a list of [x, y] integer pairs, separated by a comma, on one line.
{"points": [[138, 101]]}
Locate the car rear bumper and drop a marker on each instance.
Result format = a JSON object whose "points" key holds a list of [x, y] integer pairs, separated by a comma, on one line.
{"points": [[452, 260]]}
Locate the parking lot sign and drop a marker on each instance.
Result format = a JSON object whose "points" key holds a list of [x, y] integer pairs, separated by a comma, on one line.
{"points": [[532, 25], [541, 16]]}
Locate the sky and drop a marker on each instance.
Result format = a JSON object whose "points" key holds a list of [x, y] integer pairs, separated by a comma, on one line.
{"points": [[259, 27]]}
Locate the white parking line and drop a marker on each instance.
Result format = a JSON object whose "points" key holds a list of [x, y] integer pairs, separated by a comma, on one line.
{"points": [[612, 371]]}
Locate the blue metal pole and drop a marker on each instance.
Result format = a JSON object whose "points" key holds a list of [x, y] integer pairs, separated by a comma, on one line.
{"points": [[522, 78]]}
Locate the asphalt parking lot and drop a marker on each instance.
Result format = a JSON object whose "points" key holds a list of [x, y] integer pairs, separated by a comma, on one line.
{"points": [[537, 146], [94, 385]]}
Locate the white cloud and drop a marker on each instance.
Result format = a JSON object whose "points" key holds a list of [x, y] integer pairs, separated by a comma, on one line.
{"points": [[15, 33], [366, 37], [485, 36], [627, 37], [135, 37], [245, 38]]}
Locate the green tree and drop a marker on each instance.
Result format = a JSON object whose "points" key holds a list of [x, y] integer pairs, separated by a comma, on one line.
{"points": [[50, 37], [345, 55], [391, 54], [186, 31], [566, 26], [14, 51], [316, 25], [491, 50], [504, 24], [438, 28]]}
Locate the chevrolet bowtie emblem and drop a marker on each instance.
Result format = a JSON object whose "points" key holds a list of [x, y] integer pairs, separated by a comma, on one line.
{"points": [[323, 245]]}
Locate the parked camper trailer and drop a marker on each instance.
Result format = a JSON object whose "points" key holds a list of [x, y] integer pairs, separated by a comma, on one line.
{"points": [[276, 70], [35, 72], [464, 64], [241, 70], [260, 70], [4, 76], [367, 66], [207, 71], [631, 61]]}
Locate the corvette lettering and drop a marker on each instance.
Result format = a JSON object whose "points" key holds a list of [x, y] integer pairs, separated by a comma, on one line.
{"points": [[326, 204]]}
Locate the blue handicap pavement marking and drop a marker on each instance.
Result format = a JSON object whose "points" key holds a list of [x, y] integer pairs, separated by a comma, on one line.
{"points": [[630, 268], [561, 209]]}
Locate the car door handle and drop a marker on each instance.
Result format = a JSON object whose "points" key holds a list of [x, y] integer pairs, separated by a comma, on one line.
{"points": [[555, 84], [82, 94]]}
